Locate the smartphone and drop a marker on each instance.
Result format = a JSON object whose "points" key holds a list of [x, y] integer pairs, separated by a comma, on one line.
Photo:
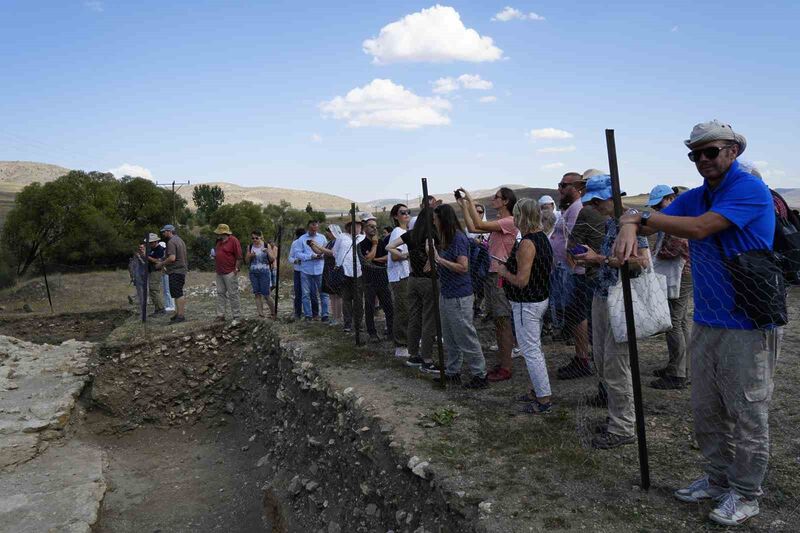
{"points": [[308, 242], [503, 261], [578, 250], [458, 194]]}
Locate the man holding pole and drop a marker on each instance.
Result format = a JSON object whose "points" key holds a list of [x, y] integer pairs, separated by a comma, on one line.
{"points": [[176, 266], [729, 221]]}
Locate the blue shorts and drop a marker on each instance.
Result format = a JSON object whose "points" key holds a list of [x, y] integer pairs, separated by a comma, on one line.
{"points": [[260, 280]]}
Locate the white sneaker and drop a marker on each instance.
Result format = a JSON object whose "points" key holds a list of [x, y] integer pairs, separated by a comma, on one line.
{"points": [[493, 348], [733, 509], [169, 309], [516, 352], [700, 489], [401, 351]]}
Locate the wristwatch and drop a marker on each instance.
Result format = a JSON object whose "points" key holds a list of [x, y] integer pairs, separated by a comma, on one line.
{"points": [[645, 217]]}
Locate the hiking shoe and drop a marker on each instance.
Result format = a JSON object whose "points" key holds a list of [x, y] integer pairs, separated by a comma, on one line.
{"points": [[178, 319], [477, 382], [324, 319], [415, 362], [535, 408], [669, 383], [700, 489], [402, 351], [498, 374], [429, 368], [576, 368], [733, 509], [449, 379], [606, 440]]}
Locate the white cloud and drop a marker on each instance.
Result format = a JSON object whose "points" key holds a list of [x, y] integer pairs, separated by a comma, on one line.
{"points": [[316, 137], [127, 169], [552, 166], [556, 149], [475, 82], [509, 13], [433, 35], [382, 103], [445, 85], [94, 5], [549, 133], [465, 81], [487, 99]]}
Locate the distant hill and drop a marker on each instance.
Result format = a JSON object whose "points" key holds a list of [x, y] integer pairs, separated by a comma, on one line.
{"points": [[15, 175], [328, 203]]}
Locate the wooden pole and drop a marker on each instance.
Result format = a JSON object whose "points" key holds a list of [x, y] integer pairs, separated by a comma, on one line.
{"points": [[633, 348], [434, 281], [46, 284], [356, 295], [278, 268]]}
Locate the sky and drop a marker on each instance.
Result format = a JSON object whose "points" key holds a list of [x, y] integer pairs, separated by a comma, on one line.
{"points": [[362, 99]]}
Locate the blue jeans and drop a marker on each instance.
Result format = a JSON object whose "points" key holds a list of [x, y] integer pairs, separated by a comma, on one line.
{"points": [[298, 295], [311, 285], [169, 303]]}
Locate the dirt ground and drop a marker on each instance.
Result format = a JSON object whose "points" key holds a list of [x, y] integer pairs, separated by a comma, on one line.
{"points": [[528, 472], [193, 478], [55, 329]]}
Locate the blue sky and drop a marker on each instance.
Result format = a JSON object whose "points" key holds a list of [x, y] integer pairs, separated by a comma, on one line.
{"points": [[259, 93]]}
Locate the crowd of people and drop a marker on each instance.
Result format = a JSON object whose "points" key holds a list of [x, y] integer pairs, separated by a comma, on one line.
{"points": [[537, 267]]}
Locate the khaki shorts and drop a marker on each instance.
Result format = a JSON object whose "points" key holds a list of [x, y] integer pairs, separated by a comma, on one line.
{"points": [[496, 299]]}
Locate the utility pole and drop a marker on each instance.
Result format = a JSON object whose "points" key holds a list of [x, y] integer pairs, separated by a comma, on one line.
{"points": [[174, 191]]}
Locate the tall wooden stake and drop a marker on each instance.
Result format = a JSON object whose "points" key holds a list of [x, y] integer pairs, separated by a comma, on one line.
{"points": [[434, 282], [633, 348], [356, 295], [46, 284], [278, 267]]}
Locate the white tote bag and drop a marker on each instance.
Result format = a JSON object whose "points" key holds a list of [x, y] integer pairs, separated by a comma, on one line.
{"points": [[650, 307]]}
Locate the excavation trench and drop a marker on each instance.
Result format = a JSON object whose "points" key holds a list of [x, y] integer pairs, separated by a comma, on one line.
{"points": [[224, 430]]}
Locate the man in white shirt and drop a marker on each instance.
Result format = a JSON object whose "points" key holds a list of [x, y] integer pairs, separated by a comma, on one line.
{"points": [[352, 306], [294, 258]]}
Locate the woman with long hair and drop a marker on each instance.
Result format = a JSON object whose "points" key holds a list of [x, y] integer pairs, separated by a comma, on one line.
{"points": [[527, 286], [398, 270], [258, 258], [502, 236], [421, 329], [455, 301]]}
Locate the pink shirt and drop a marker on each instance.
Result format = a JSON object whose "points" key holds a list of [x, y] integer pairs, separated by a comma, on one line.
{"points": [[501, 242]]}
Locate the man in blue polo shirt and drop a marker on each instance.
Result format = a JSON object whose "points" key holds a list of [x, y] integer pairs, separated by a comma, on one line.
{"points": [[311, 266], [733, 361]]}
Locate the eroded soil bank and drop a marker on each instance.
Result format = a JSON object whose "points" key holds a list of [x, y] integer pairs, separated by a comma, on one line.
{"points": [[227, 413]]}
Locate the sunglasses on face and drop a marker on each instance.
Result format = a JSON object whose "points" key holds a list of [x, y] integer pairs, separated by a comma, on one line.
{"points": [[711, 153], [403, 212]]}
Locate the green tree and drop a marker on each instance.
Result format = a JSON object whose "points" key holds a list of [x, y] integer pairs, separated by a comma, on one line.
{"points": [[243, 217], [208, 199]]}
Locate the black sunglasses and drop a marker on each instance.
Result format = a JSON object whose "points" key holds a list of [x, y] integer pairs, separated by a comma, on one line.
{"points": [[711, 153], [403, 212]]}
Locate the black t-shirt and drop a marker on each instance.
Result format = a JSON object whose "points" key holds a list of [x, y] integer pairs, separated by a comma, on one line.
{"points": [[156, 252], [538, 287], [373, 272], [417, 255]]}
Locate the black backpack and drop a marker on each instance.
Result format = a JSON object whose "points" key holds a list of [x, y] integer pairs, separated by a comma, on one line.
{"points": [[787, 240]]}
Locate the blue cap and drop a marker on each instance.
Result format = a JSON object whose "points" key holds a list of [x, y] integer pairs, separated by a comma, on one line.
{"points": [[168, 227], [598, 187], [658, 193]]}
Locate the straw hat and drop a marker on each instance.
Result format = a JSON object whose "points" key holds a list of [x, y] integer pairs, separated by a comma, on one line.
{"points": [[223, 229]]}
